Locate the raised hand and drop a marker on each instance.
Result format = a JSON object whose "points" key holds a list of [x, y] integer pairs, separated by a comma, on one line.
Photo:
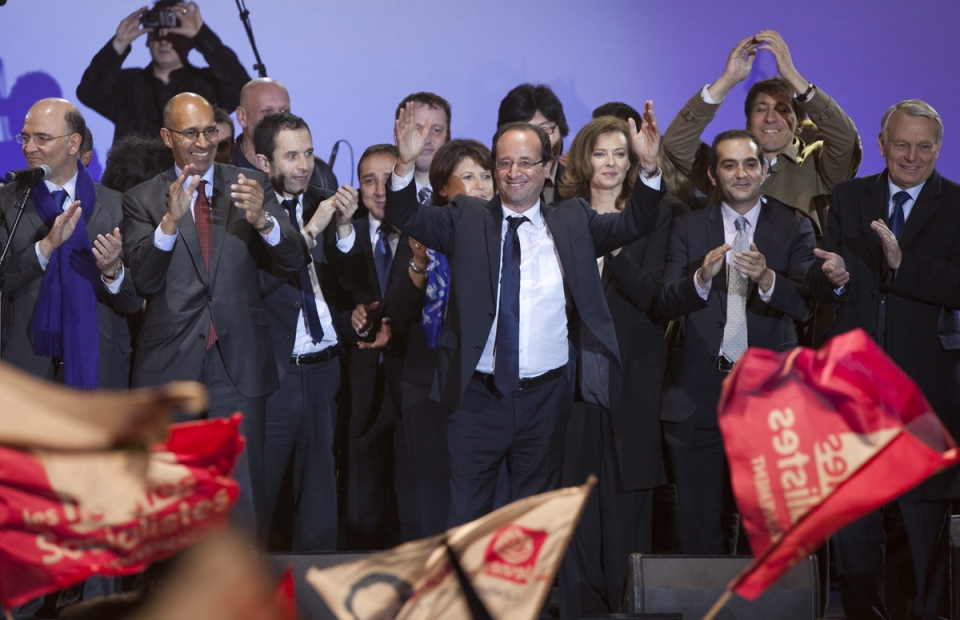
{"points": [[646, 140], [834, 267], [739, 64], [410, 140], [753, 264], [190, 21], [321, 217], [128, 30], [106, 249], [248, 195], [712, 264], [384, 334], [178, 200], [772, 41], [891, 247], [419, 253], [61, 230]]}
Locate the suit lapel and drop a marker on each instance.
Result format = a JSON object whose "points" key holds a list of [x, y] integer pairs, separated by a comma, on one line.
{"points": [[221, 216], [188, 234], [873, 206], [493, 227], [557, 224], [715, 238], [923, 209]]}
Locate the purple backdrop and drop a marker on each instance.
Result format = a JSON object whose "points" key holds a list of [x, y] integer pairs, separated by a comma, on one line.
{"points": [[347, 65]]}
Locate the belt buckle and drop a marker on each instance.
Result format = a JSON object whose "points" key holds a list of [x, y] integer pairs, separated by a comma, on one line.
{"points": [[299, 355]]}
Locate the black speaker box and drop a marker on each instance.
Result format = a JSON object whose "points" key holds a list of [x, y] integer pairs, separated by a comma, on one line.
{"points": [[309, 604], [690, 585]]}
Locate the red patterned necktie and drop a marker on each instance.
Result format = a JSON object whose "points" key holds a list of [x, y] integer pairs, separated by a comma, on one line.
{"points": [[201, 216]]}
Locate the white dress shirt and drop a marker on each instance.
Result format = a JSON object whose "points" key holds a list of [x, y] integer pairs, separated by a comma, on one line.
{"points": [[908, 205], [729, 234], [71, 188], [393, 239]]}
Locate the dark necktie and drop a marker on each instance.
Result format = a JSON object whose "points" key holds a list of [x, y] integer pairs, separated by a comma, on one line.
{"points": [[307, 295], [382, 256], [424, 195], [506, 372], [897, 219], [201, 217], [60, 196]]}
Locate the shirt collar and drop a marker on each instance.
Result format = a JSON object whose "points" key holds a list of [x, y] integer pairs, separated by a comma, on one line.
{"points": [[533, 214], [730, 217], [70, 187], [374, 226], [893, 189], [207, 176], [791, 153]]}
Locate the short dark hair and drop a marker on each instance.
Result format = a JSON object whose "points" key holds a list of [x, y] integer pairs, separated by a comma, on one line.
{"points": [[448, 157], [221, 116], [546, 155], [87, 145], [619, 110], [373, 150], [270, 126], [133, 159], [778, 88], [522, 103], [75, 122], [430, 100], [732, 134]]}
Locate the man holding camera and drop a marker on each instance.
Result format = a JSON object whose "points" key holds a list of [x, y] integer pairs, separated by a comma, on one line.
{"points": [[134, 98]]}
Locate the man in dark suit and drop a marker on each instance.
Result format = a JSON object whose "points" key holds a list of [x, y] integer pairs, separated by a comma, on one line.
{"points": [[736, 272], [381, 507], [260, 97], [198, 237], [508, 350], [96, 294], [305, 312], [890, 260]]}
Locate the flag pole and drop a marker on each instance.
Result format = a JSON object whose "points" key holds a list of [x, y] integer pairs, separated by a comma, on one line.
{"points": [[718, 605]]}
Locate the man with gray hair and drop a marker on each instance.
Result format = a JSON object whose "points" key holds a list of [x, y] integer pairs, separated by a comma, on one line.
{"points": [[890, 262]]}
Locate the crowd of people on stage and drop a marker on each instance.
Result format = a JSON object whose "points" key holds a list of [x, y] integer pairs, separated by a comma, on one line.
{"points": [[479, 321]]}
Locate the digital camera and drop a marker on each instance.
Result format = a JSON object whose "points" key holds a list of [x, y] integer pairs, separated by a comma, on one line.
{"points": [[160, 18]]}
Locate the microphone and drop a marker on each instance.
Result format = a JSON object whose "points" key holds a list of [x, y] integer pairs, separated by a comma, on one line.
{"points": [[333, 153], [31, 174]]}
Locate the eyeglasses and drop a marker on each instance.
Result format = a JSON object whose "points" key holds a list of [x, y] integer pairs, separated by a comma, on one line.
{"points": [[191, 135], [548, 128], [38, 140], [523, 164]]}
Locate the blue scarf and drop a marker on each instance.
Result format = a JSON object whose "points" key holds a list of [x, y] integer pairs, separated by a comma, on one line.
{"points": [[437, 296], [65, 321]]}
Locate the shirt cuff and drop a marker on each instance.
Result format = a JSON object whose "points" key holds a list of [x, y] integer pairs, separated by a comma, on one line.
{"points": [[164, 242], [766, 297], [399, 182], [705, 95], [272, 238], [346, 244], [840, 291], [44, 261], [114, 286], [704, 292], [654, 181]]}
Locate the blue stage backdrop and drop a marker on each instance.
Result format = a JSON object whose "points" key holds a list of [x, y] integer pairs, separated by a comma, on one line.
{"points": [[348, 64]]}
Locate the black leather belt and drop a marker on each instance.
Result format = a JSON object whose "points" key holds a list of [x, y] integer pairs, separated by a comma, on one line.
{"points": [[305, 359], [723, 364], [524, 384]]}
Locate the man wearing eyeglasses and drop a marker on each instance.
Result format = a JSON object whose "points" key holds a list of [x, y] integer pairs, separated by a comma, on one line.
{"points": [[538, 105], [134, 98], [67, 294], [510, 348], [199, 237]]}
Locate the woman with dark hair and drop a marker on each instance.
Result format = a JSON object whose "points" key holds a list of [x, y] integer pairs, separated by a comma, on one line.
{"points": [[458, 167], [620, 445]]}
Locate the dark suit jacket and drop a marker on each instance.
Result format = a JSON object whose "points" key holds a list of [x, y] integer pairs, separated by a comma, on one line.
{"points": [[630, 283], [22, 287], [468, 232], [911, 313], [182, 296], [282, 289], [786, 241]]}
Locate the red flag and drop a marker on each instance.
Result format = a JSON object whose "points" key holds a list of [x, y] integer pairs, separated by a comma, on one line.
{"points": [[817, 439], [66, 516]]}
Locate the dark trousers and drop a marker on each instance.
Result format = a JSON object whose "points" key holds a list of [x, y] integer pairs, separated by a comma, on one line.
{"points": [[526, 429], [300, 421], [425, 425], [615, 521], [860, 552]]}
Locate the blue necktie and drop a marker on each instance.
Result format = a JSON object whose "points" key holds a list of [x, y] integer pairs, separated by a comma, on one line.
{"points": [[60, 195], [506, 372], [306, 286], [897, 219], [382, 256]]}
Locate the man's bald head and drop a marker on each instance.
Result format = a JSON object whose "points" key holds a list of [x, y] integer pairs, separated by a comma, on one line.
{"points": [[259, 98], [180, 102], [60, 127], [187, 121]]}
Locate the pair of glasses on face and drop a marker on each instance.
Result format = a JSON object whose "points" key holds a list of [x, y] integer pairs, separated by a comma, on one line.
{"points": [[38, 140], [523, 164], [191, 135], [548, 128]]}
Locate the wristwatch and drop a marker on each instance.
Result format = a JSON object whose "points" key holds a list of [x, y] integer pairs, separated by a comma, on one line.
{"points": [[116, 273], [268, 223]]}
